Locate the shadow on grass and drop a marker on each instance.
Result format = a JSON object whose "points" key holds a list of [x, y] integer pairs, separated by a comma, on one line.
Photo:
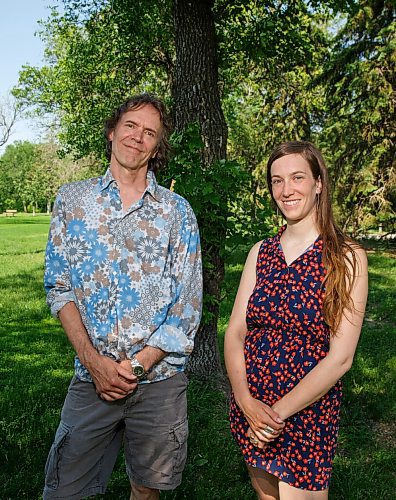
{"points": [[32, 220], [36, 366], [25, 297], [13, 253], [364, 465], [36, 363], [36, 370]]}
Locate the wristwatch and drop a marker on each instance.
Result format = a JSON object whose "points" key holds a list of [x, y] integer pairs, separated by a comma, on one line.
{"points": [[137, 369]]}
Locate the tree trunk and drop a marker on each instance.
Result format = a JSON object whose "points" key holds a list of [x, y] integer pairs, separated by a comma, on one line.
{"points": [[195, 80], [197, 100]]}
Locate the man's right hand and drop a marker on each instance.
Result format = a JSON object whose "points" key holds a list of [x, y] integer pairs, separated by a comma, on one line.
{"points": [[112, 381]]}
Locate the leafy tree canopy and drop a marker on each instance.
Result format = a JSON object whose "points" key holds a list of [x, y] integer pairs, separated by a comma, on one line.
{"points": [[288, 70]]}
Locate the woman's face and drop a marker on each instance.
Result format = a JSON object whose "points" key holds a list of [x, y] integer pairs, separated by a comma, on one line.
{"points": [[294, 188]]}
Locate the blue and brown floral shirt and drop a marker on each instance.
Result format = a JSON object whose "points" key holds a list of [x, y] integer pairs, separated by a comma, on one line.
{"points": [[134, 275]]}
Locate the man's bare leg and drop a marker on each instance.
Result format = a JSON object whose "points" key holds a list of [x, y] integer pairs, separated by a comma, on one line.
{"points": [[139, 492]]}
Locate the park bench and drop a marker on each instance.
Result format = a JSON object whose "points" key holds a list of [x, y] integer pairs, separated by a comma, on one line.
{"points": [[10, 213]]}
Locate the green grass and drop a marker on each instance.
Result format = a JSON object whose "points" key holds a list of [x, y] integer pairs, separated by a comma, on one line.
{"points": [[23, 234], [36, 366]]}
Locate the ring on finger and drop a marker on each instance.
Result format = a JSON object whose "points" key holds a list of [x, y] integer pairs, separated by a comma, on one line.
{"points": [[253, 440], [269, 430]]}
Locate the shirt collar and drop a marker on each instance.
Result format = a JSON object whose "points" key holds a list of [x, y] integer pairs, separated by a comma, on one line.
{"points": [[152, 185], [106, 180]]}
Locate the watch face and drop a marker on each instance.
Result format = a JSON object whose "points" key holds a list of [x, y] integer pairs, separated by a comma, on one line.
{"points": [[138, 370]]}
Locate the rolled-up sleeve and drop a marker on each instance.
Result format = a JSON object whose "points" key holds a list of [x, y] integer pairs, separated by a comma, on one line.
{"points": [[176, 334], [57, 280]]}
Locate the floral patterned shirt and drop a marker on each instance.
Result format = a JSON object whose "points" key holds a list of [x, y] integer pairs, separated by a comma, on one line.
{"points": [[134, 275]]}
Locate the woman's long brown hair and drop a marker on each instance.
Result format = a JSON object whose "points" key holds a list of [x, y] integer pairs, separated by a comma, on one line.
{"points": [[339, 251]]}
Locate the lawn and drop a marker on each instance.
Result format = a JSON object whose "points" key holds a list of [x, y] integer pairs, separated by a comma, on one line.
{"points": [[36, 366]]}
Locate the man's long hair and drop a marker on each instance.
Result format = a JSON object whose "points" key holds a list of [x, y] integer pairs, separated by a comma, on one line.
{"points": [[135, 102]]}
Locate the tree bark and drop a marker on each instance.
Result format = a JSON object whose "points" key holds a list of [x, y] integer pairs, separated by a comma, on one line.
{"points": [[197, 100]]}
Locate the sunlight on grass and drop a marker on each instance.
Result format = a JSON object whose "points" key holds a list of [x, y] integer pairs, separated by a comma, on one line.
{"points": [[23, 238]]}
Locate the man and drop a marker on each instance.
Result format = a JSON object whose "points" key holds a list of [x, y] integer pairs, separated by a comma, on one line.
{"points": [[123, 274]]}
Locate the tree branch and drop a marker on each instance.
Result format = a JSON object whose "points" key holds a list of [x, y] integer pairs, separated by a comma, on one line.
{"points": [[8, 118]]}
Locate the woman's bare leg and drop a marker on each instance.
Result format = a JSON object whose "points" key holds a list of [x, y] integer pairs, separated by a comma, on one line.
{"points": [[287, 492], [264, 484]]}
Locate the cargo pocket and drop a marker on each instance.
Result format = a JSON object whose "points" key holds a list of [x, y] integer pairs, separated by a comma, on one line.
{"points": [[179, 435], [53, 460]]}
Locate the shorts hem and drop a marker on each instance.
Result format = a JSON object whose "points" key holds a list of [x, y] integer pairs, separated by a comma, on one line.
{"points": [[151, 484], [88, 492]]}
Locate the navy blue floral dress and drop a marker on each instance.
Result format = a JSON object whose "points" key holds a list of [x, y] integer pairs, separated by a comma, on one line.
{"points": [[286, 338]]}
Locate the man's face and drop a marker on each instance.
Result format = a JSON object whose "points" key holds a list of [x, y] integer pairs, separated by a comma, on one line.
{"points": [[135, 138]]}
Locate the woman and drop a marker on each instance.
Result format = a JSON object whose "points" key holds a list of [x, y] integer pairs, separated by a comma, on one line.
{"points": [[293, 333]]}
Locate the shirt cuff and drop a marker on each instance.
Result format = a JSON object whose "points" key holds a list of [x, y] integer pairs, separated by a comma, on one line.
{"points": [[60, 301], [173, 341]]}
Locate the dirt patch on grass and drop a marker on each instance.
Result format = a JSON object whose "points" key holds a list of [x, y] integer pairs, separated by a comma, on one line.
{"points": [[385, 433]]}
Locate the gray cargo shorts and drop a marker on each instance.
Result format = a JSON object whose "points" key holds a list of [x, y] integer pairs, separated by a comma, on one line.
{"points": [[151, 423]]}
